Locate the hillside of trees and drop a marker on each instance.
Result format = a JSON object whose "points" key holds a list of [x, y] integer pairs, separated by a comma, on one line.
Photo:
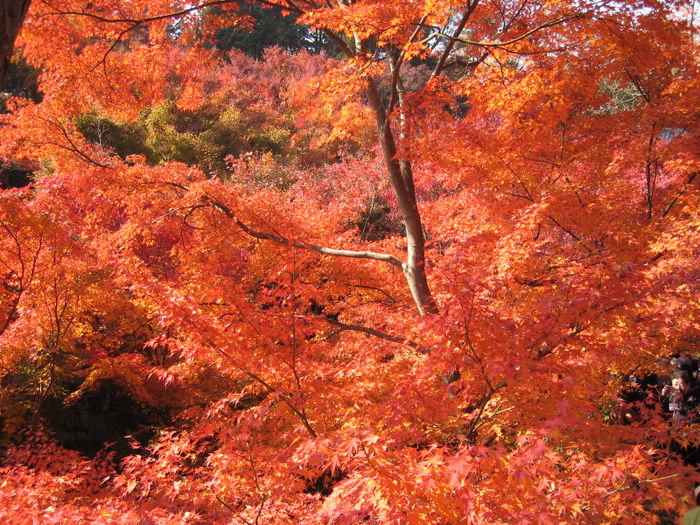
{"points": [[366, 261]]}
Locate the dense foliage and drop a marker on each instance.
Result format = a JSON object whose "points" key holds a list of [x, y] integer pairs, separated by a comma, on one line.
{"points": [[402, 283]]}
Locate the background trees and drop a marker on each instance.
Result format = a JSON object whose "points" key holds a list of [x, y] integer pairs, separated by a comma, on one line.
{"points": [[206, 245]]}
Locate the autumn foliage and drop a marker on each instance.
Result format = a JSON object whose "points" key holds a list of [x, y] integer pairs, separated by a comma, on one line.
{"points": [[406, 282]]}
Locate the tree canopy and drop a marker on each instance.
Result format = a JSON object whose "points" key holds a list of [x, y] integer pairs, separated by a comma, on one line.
{"points": [[406, 282]]}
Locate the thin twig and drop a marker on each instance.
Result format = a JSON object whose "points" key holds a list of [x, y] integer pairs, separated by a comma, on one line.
{"points": [[562, 19], [641, 482]]}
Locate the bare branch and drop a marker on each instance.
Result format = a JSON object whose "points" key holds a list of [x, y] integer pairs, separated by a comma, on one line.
{"points": [[396, 67], [387, 294], [143, 20], [73, 148], [636, 482], [567, 230], [556, 21], [353, 254], [395, 261], [450, 44], [673, 201], [285, 397], [371, 331]]}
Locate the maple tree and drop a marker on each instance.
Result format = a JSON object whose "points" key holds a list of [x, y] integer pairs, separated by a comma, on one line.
{"points": [[404, 285]]}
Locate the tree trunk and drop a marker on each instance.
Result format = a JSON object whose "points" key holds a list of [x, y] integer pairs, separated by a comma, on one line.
{"points": [[12, 13], [402, 184]]}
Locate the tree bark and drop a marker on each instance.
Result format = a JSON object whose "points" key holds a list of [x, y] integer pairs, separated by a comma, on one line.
{"points": [[414, 267], [12, 13]]}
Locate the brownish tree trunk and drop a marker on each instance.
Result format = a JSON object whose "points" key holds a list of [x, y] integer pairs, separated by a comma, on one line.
{"points": [[402, 184], [12, 13]]}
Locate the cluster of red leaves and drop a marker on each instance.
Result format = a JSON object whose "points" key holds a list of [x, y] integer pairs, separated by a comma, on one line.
{"points": [[561, 216]]}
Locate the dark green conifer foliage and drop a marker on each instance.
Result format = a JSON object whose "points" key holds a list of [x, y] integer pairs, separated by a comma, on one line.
{"points": [[272, 27]]}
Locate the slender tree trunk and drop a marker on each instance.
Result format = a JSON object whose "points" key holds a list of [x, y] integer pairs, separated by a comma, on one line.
{"points": [[402, 184], [12, 13], [401, 179]]}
